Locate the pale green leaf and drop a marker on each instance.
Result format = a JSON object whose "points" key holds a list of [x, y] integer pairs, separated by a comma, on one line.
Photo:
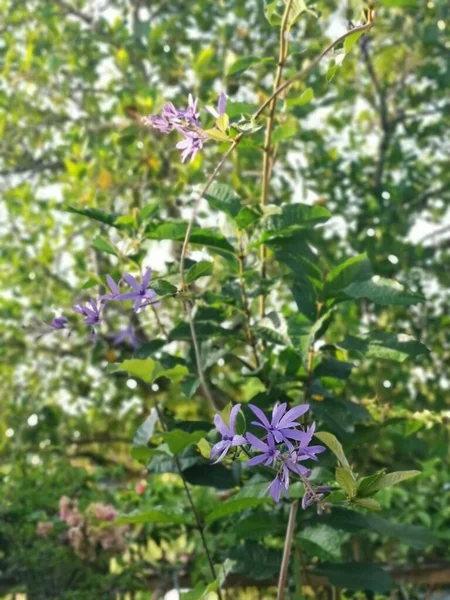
{"points": [[333, 444]]}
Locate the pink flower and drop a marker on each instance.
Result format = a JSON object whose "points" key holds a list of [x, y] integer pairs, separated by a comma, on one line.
{"points": [[44, 528], [140, 487]]}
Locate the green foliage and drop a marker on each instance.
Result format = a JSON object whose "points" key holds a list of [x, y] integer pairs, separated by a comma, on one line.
{"points": [[355, 311]]}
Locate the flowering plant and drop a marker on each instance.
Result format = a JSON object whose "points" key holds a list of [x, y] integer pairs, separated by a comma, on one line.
{"points": [[270, 308]]}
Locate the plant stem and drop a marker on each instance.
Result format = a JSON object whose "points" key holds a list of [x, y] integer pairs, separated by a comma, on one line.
{"points": [[198, 522], [201, 374], [300, 75], [203, 191], [287, 550], [248, 331], [266, 170]]}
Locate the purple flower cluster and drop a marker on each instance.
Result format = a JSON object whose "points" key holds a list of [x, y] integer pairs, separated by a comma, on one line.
{"points": [[285, 444], [185, 121], [92, 310]]}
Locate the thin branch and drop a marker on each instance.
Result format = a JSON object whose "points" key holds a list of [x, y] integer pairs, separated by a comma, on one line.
{"points": [[191, 502], [266, 169], [287, 550], [248, 331]]}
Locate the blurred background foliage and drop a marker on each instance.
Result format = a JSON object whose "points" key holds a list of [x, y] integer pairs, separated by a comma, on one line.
{"points": [[76, 76]]}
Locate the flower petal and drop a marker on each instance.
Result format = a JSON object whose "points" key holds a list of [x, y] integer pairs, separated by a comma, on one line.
{"points": [[222, 104], [257, 443], [259, 413], [220, 425], [256, 460], [293, 414], [146, 278], [132, 282], [227, 447], [277, 412], [238, 440], [233, 416]]}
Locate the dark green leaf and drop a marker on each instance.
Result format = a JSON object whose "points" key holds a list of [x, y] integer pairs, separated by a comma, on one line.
{"points": [[232, 507], [354, 269], [356, 576], [383, 291], [104, 245], [222, 197], [204, 268], [381, 344]]}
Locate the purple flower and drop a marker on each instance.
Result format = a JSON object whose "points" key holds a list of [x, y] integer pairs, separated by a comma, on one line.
{"points": [[113, 286], [282, 425], [124, 334], [229, 436], [221, 106], [291, 464], [186, 121], [304, 448], [59, 323], [276, 487], [91, 314], [142, 294], [192, 143], [269, 452]]}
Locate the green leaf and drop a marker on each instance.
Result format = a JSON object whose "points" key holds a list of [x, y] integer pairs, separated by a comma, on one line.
{"points": [[346, 480], [140, 451], [176, 230], [175, 374], [332, 367], [384, 292], [231, 507], [217, 135], [331, 72], [95, 215], [256, 561], [291, 218], [223, 123], [322, 541], [204, 447], [178, 440], [298, 7], [141, 368], [105, 246], [204, 268], [247, 217], [389, 480], [364, 484], [417, 537], [163, 287], [149, 370], [151, 516], [270, 12], [303, 333], [222, 197], [368, 503], [209, 475], [356, 576], [304, 98], [333, 444], [381, 344], [270, 335], [284, 132], [351, 40], [242, 64], [354, 269]]}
